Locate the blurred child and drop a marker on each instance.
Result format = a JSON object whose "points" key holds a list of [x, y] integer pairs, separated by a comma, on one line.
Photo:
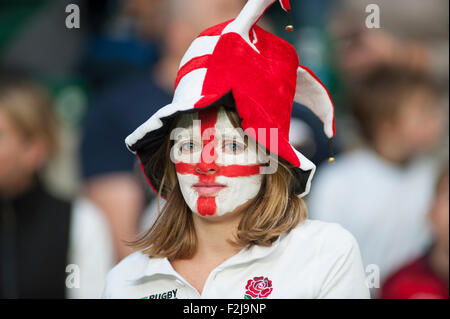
{"points": [[427, 276], [34, 225], [381, 191]]}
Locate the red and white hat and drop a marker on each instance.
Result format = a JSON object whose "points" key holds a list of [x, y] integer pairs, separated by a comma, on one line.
{"points": [[239, 64]]}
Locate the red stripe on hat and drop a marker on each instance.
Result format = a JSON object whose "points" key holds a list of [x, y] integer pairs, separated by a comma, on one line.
{"points": [[285, 4], [193, 64]]}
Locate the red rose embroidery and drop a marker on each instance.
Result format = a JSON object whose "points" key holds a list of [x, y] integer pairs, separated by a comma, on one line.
{"points": [[258, 287]]}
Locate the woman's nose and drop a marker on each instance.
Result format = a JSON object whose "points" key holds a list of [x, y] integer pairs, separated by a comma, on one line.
{"points": [[208, 171], [206, 168]]}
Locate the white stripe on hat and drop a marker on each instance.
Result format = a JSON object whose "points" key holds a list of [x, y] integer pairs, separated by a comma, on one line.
{"points": [[190, 86], [201, 46], [154, 122], [312, 94], [247, 18]]}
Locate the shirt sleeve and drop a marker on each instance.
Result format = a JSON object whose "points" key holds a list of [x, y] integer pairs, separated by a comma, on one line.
{"points": [[346, 276]]}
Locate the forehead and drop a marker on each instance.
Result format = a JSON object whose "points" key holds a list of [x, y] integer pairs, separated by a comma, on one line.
{"points": [[222, 123]]}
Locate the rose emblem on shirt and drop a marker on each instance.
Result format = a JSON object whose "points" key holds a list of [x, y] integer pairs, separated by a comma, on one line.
{"points": [[258, 288]]}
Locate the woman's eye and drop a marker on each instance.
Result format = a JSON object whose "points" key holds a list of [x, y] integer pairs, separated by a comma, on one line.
{"points": [[188, 147], [233, 147]]}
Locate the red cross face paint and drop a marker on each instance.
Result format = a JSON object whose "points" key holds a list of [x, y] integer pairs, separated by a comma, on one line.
{"points": [[217, 171]]}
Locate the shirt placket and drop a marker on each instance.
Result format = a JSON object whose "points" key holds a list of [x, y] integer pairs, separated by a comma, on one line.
{"points": [[210, 283], [188, 291]]}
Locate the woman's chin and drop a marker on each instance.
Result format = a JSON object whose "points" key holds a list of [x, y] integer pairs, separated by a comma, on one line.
{"points": [[219, 215]]}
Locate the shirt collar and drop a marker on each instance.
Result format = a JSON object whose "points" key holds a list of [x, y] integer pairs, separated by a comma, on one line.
{"points": [[152, 266], [162, 266], [252, 254]]}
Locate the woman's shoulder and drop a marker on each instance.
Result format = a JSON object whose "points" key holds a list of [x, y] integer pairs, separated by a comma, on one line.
{"points": [[332, 257], [322, 235]]}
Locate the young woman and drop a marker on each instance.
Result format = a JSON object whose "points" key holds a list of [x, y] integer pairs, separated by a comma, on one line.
{"points": [[234, 224]]}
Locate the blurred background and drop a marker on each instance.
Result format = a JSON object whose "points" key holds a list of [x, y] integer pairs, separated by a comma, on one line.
{"points": [[71, 193]]}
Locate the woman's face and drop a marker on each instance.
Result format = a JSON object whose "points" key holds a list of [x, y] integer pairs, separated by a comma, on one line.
{"points": [[216, 169], [20, 157]]}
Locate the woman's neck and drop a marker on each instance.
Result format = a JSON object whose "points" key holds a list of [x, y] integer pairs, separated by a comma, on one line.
{"points": [[214, 236], [213, 248]]}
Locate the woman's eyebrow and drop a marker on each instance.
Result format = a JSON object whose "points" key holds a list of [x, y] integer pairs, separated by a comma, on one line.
{"points": [[181, 133], [232, 135]]}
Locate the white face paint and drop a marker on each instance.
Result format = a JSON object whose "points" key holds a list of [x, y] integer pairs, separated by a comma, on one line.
{"points": [[219, 172]]}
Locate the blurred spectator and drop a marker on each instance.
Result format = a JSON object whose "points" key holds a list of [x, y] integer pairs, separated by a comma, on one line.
{"points": [[413, 34], [123, 38], [427, 276], [34, 37], [381, 191], [111, 183], [34, 225]]}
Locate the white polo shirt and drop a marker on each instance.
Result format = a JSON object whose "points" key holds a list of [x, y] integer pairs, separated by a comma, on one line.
{"points": [[314, 260]]}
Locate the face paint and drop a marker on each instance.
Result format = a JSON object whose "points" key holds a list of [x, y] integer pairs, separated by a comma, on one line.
{"points": [[216, 170]]}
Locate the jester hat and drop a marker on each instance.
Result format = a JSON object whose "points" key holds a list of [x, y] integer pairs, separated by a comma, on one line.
{"points": [[237, 64]]}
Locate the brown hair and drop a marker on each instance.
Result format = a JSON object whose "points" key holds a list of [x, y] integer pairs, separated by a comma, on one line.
{"points": [[29, 108], [379, 96], [275, 210]]}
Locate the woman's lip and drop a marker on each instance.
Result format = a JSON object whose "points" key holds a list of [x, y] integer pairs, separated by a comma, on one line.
{"points": [[205, 189]]}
